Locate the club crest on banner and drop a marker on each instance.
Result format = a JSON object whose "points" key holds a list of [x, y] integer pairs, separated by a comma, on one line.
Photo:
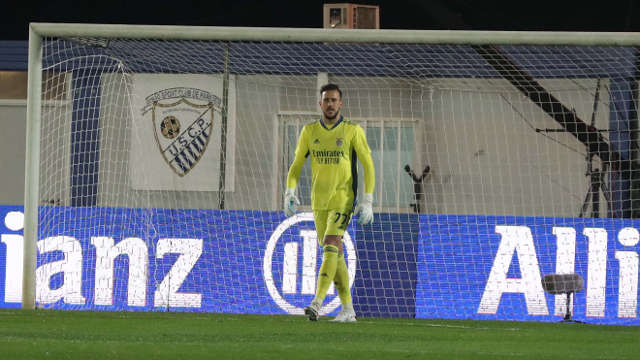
{"points": [[182, 120]]}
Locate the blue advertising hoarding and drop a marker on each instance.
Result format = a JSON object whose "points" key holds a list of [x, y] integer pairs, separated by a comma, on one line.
{"points": [[404, 265], [210, 261], [490, 267], [11, 255]]}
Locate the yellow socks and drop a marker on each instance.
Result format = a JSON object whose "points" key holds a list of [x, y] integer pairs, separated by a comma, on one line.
{"points": [[333, 268], [342, 281], [327, 272]]}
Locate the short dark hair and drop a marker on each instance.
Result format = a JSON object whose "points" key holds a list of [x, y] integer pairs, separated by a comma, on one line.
{"points": [[330, 87]]}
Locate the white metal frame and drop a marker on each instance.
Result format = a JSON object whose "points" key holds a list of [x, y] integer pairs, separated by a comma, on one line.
{"points": [[32, 172], [38, 30], [336, 35]]}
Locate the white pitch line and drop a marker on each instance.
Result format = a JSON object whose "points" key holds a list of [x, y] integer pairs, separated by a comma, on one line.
{"points": [[444, 326]]}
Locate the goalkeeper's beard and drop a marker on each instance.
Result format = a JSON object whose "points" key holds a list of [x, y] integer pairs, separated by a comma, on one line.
{"points": [[331, 118]]}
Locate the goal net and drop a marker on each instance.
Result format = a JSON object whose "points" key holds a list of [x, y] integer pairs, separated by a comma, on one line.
{"points": [[161, 156]]}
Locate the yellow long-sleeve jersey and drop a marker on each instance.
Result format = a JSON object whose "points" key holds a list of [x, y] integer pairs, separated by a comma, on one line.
{"points": [[334, 168]]}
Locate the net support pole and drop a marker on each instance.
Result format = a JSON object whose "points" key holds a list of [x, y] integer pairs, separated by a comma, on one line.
{"points": [[223, 128], [32, 170]]}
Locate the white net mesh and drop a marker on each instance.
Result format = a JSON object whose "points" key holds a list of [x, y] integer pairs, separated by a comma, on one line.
{"points": [[522, 147]]}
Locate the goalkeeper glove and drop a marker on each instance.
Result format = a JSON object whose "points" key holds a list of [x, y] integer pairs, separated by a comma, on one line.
{"points": [[291, 202], [364, 210]]}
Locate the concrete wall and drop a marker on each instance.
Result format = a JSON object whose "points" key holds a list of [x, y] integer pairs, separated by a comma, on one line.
{"points": [[12, 151], [487, 157], [478, 136]]}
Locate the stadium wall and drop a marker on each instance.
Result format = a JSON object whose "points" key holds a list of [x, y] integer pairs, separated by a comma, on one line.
{"points": [[455, 123], [427, 88], [457, 111], [12, 151], [455, 187]]}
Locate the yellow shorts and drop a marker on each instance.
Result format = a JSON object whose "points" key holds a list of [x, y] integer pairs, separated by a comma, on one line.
{"points": [[330, 222]]}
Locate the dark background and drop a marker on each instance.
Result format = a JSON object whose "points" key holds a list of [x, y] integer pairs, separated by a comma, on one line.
{"points": [[558, 15]]}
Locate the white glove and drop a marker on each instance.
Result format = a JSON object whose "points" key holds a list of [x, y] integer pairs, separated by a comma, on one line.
{"points": [[291, 202], [364, 209]]}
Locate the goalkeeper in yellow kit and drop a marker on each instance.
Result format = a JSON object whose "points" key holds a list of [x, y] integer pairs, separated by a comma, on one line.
{"points": [[334, 144]]}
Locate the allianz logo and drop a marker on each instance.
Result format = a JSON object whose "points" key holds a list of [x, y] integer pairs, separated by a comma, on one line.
{"points": [[295, 271], [167, 292], [14, 221], [516, 244], [298, 266]]}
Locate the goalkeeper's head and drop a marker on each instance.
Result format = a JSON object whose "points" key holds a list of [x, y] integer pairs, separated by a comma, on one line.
{"points": [[331, 101]]}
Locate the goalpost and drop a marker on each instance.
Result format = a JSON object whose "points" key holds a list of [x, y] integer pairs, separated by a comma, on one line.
{"points": [[157, 155]]}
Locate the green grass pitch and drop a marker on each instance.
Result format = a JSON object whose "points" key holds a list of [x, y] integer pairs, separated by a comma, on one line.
{"points": [[45, 334]]}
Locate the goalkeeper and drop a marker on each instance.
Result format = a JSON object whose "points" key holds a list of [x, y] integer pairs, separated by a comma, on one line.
{"points": [[334, 145]]}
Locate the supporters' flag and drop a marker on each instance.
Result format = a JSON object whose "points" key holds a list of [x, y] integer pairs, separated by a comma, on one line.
{"points": [[175, 144]]}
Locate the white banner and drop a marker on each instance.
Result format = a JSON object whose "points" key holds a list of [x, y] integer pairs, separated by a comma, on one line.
{"points": [[177, 132]]}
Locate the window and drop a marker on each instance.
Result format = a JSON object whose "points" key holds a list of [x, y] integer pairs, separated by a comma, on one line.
{"points": [[392, 146]]}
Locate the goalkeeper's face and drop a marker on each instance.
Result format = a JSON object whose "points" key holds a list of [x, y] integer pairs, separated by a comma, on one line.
{"points": [[331, 104]]}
